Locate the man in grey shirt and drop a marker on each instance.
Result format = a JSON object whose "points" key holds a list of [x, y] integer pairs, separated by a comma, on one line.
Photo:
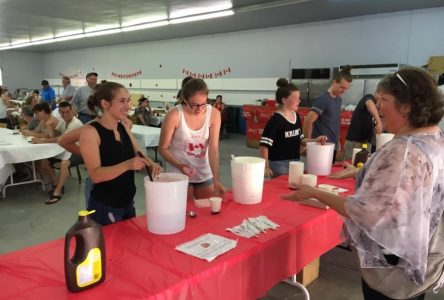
{"points": [[68, 89], [81, 96], [325, 115]]}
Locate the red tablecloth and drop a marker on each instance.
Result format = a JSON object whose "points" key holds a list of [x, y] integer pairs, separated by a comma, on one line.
{"points": [[141, 265]]}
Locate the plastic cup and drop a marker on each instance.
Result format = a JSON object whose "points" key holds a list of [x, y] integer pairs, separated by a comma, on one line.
{"points": [[309, 179], [215, 204], [296, 170]]}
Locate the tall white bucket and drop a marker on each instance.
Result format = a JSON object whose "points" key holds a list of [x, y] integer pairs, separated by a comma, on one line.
{"points": [[319, 158], [383, 138], [247, 175], [166, 203]]}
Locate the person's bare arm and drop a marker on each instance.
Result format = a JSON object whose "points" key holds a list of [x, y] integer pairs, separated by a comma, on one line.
{"points": [[264, 154], [69, 141], [213, 152], [304, 192], [373, 110], [308, 124], [155, 168]]}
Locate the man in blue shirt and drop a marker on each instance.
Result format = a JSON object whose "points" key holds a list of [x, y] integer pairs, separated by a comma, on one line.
{"points": [[325, 115], [48, 95]]}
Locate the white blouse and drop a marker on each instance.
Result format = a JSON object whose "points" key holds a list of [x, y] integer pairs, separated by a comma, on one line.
{"points": [[398, 203]]}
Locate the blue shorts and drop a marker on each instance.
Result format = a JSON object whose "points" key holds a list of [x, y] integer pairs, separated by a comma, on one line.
{"points": [[280, 167], [200, 185], [106, 215]]}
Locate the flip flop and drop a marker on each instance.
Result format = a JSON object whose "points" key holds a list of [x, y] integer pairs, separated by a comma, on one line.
{"points": [[53, 199], [53, 189]]}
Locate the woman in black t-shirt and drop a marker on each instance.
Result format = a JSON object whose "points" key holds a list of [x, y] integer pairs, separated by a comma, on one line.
{"points": [[282, 136], [109, 151]]}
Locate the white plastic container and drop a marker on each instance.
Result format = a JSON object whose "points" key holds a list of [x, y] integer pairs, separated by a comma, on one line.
{"points": [[295, 172], [247, 175], [319, 158], [166, 202], [383, 138]]}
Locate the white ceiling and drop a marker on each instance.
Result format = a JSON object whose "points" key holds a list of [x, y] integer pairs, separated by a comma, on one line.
{"points": [[24, 20]]}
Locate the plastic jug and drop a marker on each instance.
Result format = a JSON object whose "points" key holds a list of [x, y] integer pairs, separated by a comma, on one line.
{"points": [[247, 175], [361, 156], [319, 158], [166, 203], [383, 138], [87, 266]]}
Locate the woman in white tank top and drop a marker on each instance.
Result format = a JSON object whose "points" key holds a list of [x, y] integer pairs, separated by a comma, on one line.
{"points": [[189, 141]]}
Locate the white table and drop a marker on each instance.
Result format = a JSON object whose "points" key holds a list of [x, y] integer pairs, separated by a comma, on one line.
{"points": [[147, 137], [15, 148]]}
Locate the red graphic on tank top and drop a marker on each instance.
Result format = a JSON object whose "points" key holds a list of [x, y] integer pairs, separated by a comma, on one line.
{"points": [[196, 146]]}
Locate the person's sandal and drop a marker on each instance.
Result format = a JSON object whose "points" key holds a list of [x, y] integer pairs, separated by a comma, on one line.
{"points": [[53, 199], [53, 189]]}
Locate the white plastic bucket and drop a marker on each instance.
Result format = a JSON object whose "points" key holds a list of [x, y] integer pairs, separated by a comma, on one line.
{"points": [[319, 158], [247, 175], [383, 138], [166, 202]]}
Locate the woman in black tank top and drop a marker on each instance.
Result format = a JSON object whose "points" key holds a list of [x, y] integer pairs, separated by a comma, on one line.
{"points": [[109, 151]]}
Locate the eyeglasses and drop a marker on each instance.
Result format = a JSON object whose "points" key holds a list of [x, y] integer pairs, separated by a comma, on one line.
{"points": [[196, 106], [397, 75]]}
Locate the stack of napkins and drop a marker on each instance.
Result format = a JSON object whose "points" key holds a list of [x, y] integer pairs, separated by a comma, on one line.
{"points": [[207, 246], [253, 227]]}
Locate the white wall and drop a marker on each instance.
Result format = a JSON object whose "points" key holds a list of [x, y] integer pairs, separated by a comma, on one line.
{"points": [[404, 37], [21, 69]]}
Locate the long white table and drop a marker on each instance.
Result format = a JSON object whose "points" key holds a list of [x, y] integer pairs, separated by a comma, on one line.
{"points": [[15, 148], [147, 137]]}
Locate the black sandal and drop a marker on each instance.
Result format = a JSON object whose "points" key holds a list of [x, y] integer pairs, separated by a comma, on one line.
{"points": [[53, 189], [53, 199]]}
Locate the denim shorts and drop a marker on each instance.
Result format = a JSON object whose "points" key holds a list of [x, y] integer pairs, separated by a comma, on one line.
{"points": [[106, 215], [200, 185], [280, 167]]}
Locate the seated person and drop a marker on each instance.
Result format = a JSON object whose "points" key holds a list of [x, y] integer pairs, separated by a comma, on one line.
{"points": [[69, 122], [47, 123], [30, 121], [45, 129], [143, 112], [5, 103]]}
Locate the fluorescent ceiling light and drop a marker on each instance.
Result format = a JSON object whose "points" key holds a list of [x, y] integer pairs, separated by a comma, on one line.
{"points": [[100, 27], [41, 42], [145, 26], [203, 17], [200, 10], [17, 46], [69, 33], [102, 32], [69, 37], [144, 20], [19, 42]]}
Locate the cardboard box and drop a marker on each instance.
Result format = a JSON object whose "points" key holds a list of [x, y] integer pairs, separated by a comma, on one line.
{"points": [[435, 64], [310, 273]]}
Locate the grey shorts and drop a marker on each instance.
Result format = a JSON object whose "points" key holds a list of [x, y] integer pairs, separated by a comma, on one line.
{"points": [[200, 185]]}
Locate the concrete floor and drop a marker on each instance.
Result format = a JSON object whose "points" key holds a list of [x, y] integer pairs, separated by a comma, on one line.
{"points": [[25, 220]]}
